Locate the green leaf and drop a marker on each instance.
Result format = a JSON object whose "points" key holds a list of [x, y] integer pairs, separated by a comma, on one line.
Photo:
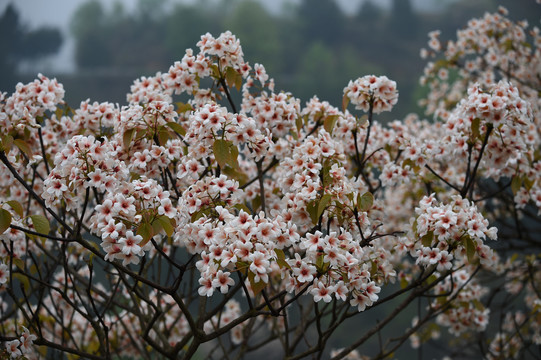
{"points": [[362, 121], [414, 226], [156, 226], [221, 151], [256, 286], [256, 203], [5, 143], [294, 135], [17, 207], [182, 108], [5, 220], [426, 240], [231, 76], [165, 222], [236, 174], [233, 156], [367, 200], [23, 146], [41, 224], [475, 124], [298, 123], [408, 162], [34, 269], [163, 136], [528, 183], [403, 283], [312, 208], [329, 122], [238, 82], [470, 249], [345, 102], [226, 153], [513, 258], [325, 172], [242, 207], [478, 304], [198, 214], [59, 112], [146, 231], [19, 263], [323, 204], [215, 71], [127, 137], [176, 127], [320, 264], [281, 259], [23, 280], [516, 183], [90, 259]]}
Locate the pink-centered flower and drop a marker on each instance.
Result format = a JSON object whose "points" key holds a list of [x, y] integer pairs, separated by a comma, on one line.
{"points": [[322, 292], [130, 243], [27, 340], [4, 273], [13, 348], [223, 281]]}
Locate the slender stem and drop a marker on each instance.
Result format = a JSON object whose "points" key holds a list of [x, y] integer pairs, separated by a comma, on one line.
{"points": [[273, 163], [471, 184], [261, 185], [228, 95], [80, 222], [442, 179], [31, 232], [43, 151]]}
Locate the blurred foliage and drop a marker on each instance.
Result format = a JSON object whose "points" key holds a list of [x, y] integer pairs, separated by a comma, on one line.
{"points": [[20, 44], [310, 47], [259, 33]]}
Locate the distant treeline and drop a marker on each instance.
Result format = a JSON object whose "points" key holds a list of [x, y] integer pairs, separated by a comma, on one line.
{"points": [[309, 48]]}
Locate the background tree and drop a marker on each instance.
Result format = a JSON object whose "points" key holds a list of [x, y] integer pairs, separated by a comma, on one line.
{"points": [[90, 28], [19, 44], [376, 38], [250, 21]]}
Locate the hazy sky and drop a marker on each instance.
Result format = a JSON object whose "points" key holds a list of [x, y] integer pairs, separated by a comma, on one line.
{"points": [[36, 13]]}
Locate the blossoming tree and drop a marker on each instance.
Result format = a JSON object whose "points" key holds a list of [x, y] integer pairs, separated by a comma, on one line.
{"points": [[155, 228]]}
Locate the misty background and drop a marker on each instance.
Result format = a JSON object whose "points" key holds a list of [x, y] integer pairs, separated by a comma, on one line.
{"points": [[311, 47]]}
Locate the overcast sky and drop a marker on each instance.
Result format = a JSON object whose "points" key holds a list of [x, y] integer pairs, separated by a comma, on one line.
{"points": [[57, 13]]}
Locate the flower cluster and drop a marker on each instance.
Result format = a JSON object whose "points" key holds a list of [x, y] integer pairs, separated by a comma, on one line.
{"points": [[227, 241], [83, 163], [231, 311], [129, 217], [466, 312], [456, 230], [335, 266], [148, 89], [21, 346], [488, 48], [28, 102], [143, 121], [213, 129], [183, 75], [91, 118], [225, 47], [277, 112], [377, 92]]}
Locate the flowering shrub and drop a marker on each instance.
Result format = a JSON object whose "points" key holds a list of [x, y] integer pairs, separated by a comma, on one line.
{"points": [[159, 226]]}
